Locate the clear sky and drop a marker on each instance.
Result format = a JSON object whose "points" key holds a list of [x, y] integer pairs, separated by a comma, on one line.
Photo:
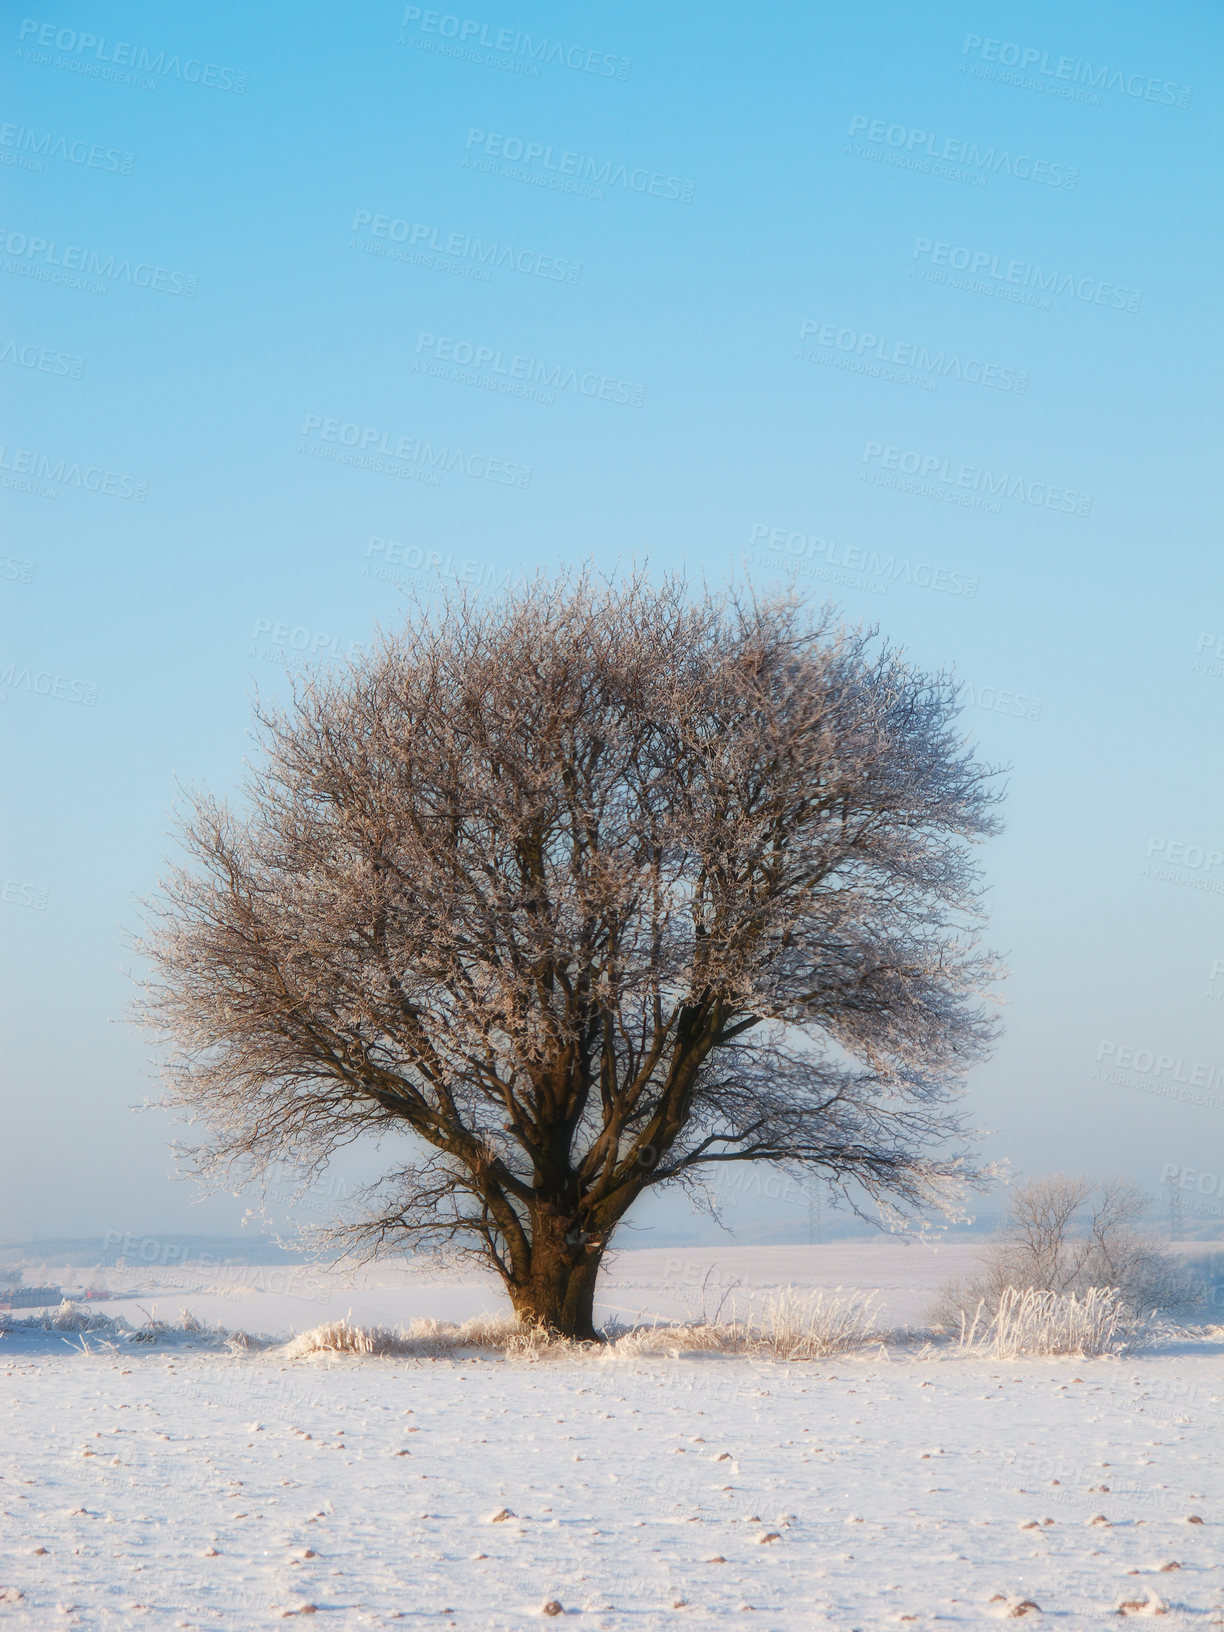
{"points": [[920, 303]]}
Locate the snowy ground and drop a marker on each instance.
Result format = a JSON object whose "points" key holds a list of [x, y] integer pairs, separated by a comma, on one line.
{"points": [[664, 1283], [159, 1489]]}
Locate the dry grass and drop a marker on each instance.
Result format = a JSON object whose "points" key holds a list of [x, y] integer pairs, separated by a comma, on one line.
{"points": [[341, 1337], [1026, 1321], [73, 1320], [791, 1326], [811, 1326], [422, 1339], [66, 1317]]}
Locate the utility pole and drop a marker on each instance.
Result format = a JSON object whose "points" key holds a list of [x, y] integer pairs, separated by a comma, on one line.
{"points": [[1175, 1213], [814, 1231]]}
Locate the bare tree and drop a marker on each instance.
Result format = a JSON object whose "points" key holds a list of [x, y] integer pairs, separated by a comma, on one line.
{"points": [[1038, 1244], [586, 892], [1067, 1233]]}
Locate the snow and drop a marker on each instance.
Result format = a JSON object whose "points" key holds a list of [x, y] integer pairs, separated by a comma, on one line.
{"points": [[180, 1487], [642, 1285]]}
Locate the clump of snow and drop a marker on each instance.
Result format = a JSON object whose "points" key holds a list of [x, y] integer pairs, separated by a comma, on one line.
{"points": [[1010, 1606], [1153, 1604]]}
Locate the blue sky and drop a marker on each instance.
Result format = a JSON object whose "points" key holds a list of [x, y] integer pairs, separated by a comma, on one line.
{"points": [[917, 304]]}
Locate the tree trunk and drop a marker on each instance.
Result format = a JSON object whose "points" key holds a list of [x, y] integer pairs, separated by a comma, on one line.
{"points": [[558, 1292]]}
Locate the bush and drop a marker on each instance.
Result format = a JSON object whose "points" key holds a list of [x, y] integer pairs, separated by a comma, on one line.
{"points": [[1069, 1236]]}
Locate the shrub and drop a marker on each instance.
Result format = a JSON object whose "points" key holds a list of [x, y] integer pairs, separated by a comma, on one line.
{"points": [[1068, 1235]]}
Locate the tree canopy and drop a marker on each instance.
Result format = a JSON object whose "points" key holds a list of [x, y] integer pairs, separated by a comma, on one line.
{"points": [[587, 890]]}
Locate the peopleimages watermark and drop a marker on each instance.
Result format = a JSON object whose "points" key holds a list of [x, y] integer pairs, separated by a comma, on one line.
{"points": [[998, 700], [459, 251], [16, 571], [120, 61], [288, 639], [932, 476], [1202, 1182], [1076, 78], [955, 158], [907, 362], [1133, 1498], [150, 1251], [26, 471], [1024, 282], [61, 688], [15, 894], [518, 375], [73, 266], [572, 172], [1213, 662], [1191, 865], [25, 354], [28, 149], [1215, 994], [391, 560], [1166, 1075], [409, 457], [852, 565], [465, 37], [1185, 1196]]}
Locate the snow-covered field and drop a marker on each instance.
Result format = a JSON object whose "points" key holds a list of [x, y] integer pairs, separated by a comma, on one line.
{"points": [[159, 1488], [669, 1283]]}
